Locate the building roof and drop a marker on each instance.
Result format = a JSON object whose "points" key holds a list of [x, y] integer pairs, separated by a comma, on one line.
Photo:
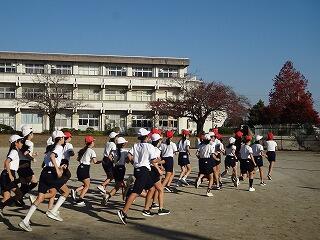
{"points": [[63, 57]]}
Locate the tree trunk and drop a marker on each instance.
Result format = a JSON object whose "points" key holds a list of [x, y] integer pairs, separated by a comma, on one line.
{"points": [[200, 124], [52, 121]]}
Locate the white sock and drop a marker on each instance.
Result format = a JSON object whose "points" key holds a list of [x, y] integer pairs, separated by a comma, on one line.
{"points": [[58, 204], [179, 179], [32, 209]]}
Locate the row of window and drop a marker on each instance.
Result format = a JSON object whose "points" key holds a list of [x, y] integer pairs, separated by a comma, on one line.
{"points": [[89, 120], [90, 70]]}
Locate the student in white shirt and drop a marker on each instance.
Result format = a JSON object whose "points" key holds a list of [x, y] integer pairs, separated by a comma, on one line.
{"points": [[231, 161], [183, 158], [119, 158], [141, 154], [271, 153], [107, 164], [86, 155], [257, 149], [247, 158], [8, 175], [26, 175], [168, 150], [206, 156], [50, 174]]}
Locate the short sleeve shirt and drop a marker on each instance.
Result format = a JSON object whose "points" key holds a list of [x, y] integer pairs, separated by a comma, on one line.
{"points": [[257, 149], [168, 150], [206, 150], [110, 146], [230, 150], [183, 145], [14, 159], [271, 146], [58, 151], [88, 156], [245, 151], [68, 147], [119, 160], [143, 154]]}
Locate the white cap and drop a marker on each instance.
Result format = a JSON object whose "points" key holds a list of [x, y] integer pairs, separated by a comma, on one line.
{"points": [[232, 140], [113, 134], [258, 138], [26, 131], [211, 134], [121, 140], [155, 137], [49, 141], [207, 136], [14, 138], [143, 132], [25, 126], [56, 134]]}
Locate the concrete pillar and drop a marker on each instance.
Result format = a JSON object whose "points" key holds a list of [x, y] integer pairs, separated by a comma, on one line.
{"points": [[45, 122], [129, 121], [75, 69], [75, 121], [103, 71], [47, 68], [103, 94], [102, 121], [156, 72], [156, 121], [129, 95], [129, 71], [19, 92], [18, 120], [20, 68]]}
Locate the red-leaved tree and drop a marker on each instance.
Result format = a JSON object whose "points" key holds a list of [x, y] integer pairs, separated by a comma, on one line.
{"points": [[199, 100], [289, 99]]}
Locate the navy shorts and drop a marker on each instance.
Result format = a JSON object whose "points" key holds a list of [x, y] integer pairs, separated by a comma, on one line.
{"points": [[48, 180], [205, 166], [230, 161], [83, 172], [143, 180], [215, 162], [249, 165], [243, 166], [26, 171], [168, 164], [6, 184], [155, 175], [258, 160], [108, 167], [271, 156], [119, 172], [183, 159]]}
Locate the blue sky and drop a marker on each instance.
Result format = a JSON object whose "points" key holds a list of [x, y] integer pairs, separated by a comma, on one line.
{"points": [[242, 43]]}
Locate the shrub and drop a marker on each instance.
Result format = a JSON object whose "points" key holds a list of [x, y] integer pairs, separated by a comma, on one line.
{"points": [[6, 129], [226, 130], [131, 132]]}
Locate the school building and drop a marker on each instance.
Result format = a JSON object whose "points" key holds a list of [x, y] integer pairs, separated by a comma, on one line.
{"points": [[115, 90]]}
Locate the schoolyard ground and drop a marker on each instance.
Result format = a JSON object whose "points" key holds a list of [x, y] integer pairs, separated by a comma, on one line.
{"points": [[288, 207]]}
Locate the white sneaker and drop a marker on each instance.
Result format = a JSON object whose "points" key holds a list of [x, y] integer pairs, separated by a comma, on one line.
{"points": [[263, 184], [54, 216], [32, 198], [167, 189], [101, 189], [251, 189], [184, 181], [81, 204], [25, 226], [209, 194], [238, 182], [198, 182], [74, 195]]}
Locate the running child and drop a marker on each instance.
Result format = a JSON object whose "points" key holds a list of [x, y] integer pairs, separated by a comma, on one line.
{"points": [[257, 149], [107, 164], [271, 153], [231, 161], [86, 155], [183, 158], [8, 175], [50, 174]]}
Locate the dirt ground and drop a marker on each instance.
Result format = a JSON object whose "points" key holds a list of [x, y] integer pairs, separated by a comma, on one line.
{"points": [[288, 207]]}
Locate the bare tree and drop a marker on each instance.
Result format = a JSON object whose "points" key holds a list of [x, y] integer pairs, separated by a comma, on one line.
{"points": [[52, 95]]}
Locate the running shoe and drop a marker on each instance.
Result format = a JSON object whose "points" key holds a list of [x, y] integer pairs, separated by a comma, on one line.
{"points": [[54, 216], [154, 206], [147, 213], [209, 194], [167, 189], [251, 189], [74, 195], [105, 199], [101, 189], [80, 203], [32, 198], [263, 184], [269, 177], [238, 182], [163, 211], [122, 216], [25, 226], [184, 181], [198, 182]]}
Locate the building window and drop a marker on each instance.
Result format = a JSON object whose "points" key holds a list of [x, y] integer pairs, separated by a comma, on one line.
{"points": [[31, 118], [142, 72], [7, 93], [115, 95], [35, 68], [141, 121], [63, 121], [89, 70], [113, 121], [168, 72], [31, 93], [61, 69], [141, 96], [89, 94], [8, 119], [166, 122], [117, 71], [88, 120], [7, 68]]}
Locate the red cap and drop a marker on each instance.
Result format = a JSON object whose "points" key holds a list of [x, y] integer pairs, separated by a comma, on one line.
{"points": [[238, 134], [248, 138], [169, 134], [185, 132], [89, 139], [215, 130], [218, 136], [269, 136], [67, 134]]}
